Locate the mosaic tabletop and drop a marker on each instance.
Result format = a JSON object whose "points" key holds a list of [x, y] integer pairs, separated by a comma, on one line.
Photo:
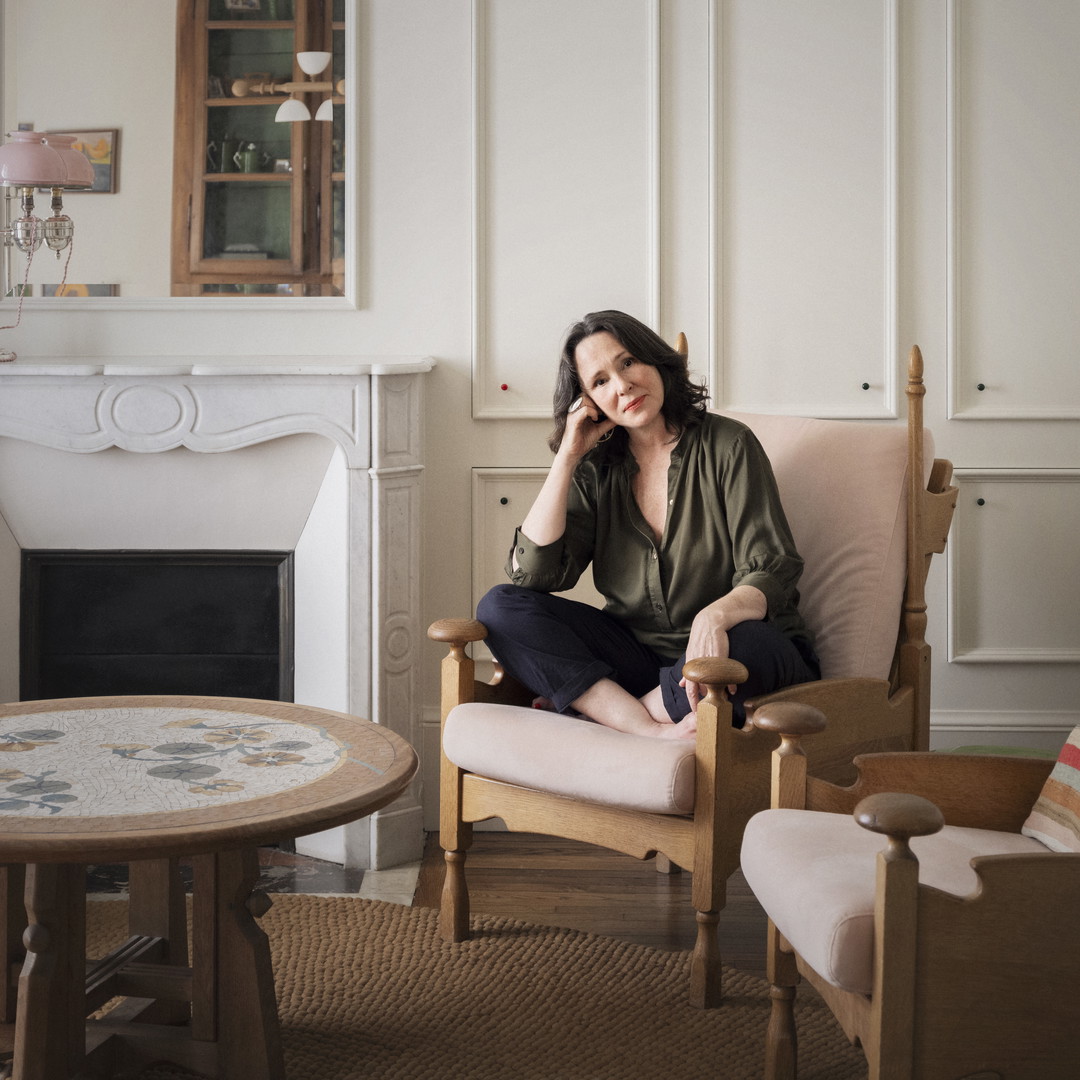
{"points": [[117, 764]]}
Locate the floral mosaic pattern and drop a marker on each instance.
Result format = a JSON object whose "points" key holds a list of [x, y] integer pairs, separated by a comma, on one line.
{"points": [[125, 761]]}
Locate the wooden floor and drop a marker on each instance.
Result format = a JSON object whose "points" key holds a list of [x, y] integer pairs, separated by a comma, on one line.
{"points": [[545, 880]]}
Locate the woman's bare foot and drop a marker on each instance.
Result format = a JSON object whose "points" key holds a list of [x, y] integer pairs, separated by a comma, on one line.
{"points": [[609, 704], [684, 729]]}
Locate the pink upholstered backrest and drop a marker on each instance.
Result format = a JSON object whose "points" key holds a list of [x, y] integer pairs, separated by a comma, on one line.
{"points": [[843, 486]]}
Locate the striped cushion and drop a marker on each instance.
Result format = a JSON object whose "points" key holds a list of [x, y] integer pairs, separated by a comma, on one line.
{"points": [[1055, 818]]}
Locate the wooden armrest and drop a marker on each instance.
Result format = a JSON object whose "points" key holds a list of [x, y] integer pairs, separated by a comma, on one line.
{"points": [[789, 718], [457, 632], [978, 791], [899, 816], [791, 721], [714, 672]]}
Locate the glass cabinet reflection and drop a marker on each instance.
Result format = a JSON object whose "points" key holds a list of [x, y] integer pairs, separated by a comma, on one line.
{"points": [[258, 205]]}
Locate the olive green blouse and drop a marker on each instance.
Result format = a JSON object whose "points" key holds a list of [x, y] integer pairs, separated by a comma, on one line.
{"points": [[725, 527]]}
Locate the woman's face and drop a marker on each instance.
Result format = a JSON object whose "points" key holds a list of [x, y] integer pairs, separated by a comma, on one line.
{"points": [[625, 389]]}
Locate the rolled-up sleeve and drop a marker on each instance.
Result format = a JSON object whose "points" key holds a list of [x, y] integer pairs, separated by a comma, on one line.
{"points": [[762, 549], [556, 567]]}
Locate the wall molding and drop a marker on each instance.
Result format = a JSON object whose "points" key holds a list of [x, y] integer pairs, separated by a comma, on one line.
{"points": [[1040, 730], [973, 653], [998, 722]]}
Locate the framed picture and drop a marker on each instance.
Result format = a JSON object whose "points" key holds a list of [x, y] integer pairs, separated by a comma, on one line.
{"points": [[71, 289], [101, 146]]}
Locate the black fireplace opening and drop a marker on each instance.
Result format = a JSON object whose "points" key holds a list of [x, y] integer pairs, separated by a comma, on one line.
{"points": [[102, 623]]}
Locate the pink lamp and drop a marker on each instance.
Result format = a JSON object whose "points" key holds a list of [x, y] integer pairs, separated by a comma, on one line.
{"points": [[30, 160]]}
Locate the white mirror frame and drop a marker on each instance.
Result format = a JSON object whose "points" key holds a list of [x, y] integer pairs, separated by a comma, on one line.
{"points": [[348, 301]]}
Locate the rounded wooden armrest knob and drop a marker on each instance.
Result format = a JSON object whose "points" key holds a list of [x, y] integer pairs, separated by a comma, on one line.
{"points": [[457, 631], [789, 718], [899, 816], [713, 671]]}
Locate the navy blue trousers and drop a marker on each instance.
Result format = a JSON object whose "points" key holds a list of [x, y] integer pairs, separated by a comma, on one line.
{"points": [[558, 648]]}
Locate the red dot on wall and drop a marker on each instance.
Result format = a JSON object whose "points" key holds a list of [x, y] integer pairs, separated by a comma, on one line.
{"points": [[504, 386]]}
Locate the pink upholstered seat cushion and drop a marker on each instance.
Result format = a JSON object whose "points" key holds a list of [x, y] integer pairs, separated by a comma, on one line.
{"points": [[572, 757], [814, 875], [843, 485]]}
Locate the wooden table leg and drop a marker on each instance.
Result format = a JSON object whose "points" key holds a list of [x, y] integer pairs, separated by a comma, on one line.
{"points": [[50, 1033], [157, 909], [234, 1002], [12, 928]]}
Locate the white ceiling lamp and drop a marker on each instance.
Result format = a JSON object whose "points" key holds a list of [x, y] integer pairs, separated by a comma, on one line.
{"points": [[294, 110], [315, 63]]}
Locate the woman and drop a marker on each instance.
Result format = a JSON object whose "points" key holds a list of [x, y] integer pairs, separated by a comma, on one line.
{"points": [[677, 511]]}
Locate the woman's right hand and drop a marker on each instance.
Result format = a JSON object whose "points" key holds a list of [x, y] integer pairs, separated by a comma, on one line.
{"points": [[586, 425], [546, 520]]}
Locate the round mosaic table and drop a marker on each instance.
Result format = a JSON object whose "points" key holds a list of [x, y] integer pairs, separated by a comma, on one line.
{"points": [[146, 781]]}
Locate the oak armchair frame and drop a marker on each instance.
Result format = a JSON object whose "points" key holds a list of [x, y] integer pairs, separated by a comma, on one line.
{"points": [[962, 986], [731, 764]]}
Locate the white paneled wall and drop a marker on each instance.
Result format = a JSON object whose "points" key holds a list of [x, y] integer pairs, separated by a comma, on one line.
{"points": [[806, 122], [1015, 142], [806, 187], [1013, 597], [566, 182]]}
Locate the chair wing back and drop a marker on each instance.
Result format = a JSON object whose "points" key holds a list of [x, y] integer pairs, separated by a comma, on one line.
{"points": [[844, 489]]}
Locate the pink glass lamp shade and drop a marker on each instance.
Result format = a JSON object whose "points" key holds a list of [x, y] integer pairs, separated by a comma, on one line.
{"points": [[31, 159], [80, 173]]}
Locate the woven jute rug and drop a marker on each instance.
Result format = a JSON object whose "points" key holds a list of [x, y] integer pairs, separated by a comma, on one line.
{"points": [[368, 989]]}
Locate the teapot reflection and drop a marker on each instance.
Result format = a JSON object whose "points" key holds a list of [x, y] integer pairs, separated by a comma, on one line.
{"points": [[248, 159], [236, 155]]}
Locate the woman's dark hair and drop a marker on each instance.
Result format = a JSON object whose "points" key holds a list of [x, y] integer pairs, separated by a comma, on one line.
{"points": [[684, 401]]}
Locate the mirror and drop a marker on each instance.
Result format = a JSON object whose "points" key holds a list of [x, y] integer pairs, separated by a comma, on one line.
{"points": [[108, 69]]}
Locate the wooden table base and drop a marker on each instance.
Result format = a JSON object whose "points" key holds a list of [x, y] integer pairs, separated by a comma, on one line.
{"points": [[217, 1016], [146, 780]]}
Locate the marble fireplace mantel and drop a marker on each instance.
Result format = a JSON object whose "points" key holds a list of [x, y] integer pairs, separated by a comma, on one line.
{"points": [[369, 407]]}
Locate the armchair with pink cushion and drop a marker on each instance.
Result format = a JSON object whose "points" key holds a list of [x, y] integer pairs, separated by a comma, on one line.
{"points": [[946, 946], [868, 506]]}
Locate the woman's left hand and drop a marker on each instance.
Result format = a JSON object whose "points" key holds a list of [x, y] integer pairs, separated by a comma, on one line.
{"points": [[708, 637], [709, 630]]}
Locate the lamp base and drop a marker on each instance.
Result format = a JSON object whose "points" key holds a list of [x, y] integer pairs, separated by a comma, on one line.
{"points": [[6, 355]]}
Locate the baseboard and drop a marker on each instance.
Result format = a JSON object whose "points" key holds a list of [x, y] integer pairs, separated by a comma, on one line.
{"points": [[397, 837], [956, 727]]}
